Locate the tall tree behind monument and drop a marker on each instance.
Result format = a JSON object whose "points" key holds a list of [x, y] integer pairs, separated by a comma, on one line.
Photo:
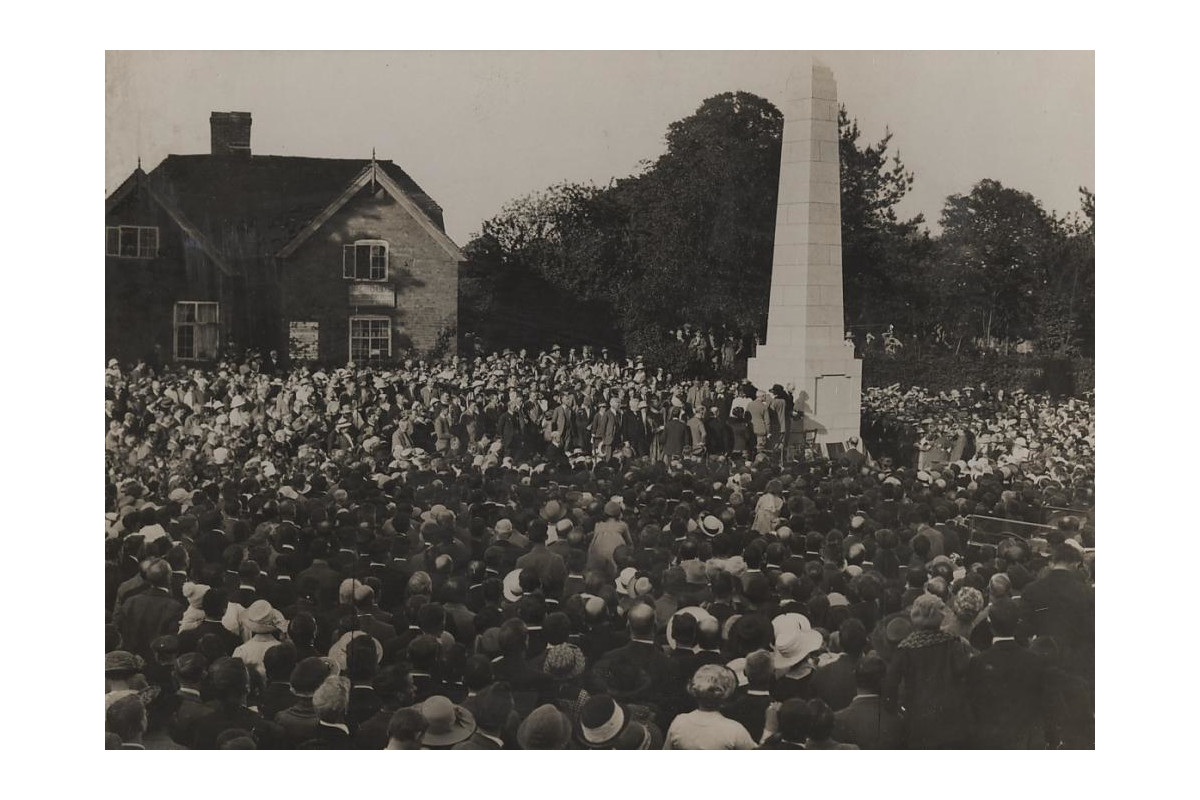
{"points": [[804, 347]]}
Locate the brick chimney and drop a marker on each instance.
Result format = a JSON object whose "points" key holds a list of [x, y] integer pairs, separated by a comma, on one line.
{"points": [[230, 133]]}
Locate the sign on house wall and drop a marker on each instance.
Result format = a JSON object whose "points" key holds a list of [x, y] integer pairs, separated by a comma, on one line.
{"points": [[302, 340], [366, 295]]}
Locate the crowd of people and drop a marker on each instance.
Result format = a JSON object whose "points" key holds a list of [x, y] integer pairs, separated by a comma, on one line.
{"points": [[567, 551]]}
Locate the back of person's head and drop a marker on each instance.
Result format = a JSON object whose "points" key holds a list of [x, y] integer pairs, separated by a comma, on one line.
{"points": [[279, 660], [302, 629], [852, 636], [556, 628], [477, 672], [1066, 556], [641, 620], [423, 652], [759, 669], [685, 630], [126, 718], [248, 572], [869, 674], [362, 659], [493, 706], [514, 637], [795, 720], [214, 603], [821, 724], [1003, 615], [432, 618], [406, 726], [331, 699], [709, 634], [229, 679]]}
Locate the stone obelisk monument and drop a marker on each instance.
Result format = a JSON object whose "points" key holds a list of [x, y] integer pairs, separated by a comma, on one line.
{"points": [[805, 325]]}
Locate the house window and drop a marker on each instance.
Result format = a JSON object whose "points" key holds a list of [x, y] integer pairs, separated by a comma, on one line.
{"points": [[131, 241], [370, 338], [197, 330], [365, 260]]}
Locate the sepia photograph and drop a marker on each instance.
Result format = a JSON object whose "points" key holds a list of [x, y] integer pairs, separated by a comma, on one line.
{"points": [[599, 400]]}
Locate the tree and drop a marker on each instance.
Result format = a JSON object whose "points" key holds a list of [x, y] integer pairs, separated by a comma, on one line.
{"points": [[994, 260], [689, 238], [702, 219], [881, 253]]}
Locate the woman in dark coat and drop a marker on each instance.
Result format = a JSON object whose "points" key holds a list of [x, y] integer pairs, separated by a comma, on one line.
{"points": [[927, 677]]}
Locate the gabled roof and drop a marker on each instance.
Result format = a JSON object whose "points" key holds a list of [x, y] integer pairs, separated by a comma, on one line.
{"points": [[374, 172], [251, 207], [139, 179]]}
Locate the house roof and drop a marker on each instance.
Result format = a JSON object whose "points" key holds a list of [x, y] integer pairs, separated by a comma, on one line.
{"points": [[253, 206]]}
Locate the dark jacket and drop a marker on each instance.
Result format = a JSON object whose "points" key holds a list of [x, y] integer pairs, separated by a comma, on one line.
{"points": [[751, 710], [1062, 606], [182, 726], [868, 723], [327, 737], [1011, 697], [146, 616], [927, 677], [226, 716], [834, 683]]}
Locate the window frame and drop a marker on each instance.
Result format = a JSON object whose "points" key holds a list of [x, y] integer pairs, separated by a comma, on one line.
{"points": [[137, 232], [350, 253], [368, 318], [176, 325]]}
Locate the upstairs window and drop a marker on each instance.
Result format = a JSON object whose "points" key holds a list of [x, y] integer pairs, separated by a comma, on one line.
{"points": [[365, 260], [131, 241]]}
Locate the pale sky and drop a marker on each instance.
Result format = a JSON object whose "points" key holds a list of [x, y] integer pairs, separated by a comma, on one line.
{"points": [[477, 129]]}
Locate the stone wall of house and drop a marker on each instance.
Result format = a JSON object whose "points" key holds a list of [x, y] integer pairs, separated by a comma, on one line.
{"points": [[419, 296]]}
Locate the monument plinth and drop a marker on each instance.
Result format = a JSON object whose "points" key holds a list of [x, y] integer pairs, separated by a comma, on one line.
{"points": [[805, 320]]}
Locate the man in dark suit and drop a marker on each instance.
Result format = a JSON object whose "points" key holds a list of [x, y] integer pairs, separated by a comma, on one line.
{"points": [[1009, 688], [147, 615], [636, 425], [189, 672], [330, 702], [527, 684], [1063, 607], [867, 722], [641, 649], [835, 682], [750, 703], [231, 686]]}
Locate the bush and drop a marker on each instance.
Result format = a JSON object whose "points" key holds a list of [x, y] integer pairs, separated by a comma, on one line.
{"points": [[660, 349], [945, 371]]}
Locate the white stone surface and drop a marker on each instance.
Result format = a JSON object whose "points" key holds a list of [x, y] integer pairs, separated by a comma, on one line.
{"points": [[806, 318]]}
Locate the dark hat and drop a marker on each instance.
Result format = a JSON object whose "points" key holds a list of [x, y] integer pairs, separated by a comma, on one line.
{"points": [[122, 661], [546, 728], [601, 722], [492, 707]]}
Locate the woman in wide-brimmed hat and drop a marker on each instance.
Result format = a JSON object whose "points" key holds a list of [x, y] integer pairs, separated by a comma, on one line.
{"points": [[795, 643], [446, 724]]}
